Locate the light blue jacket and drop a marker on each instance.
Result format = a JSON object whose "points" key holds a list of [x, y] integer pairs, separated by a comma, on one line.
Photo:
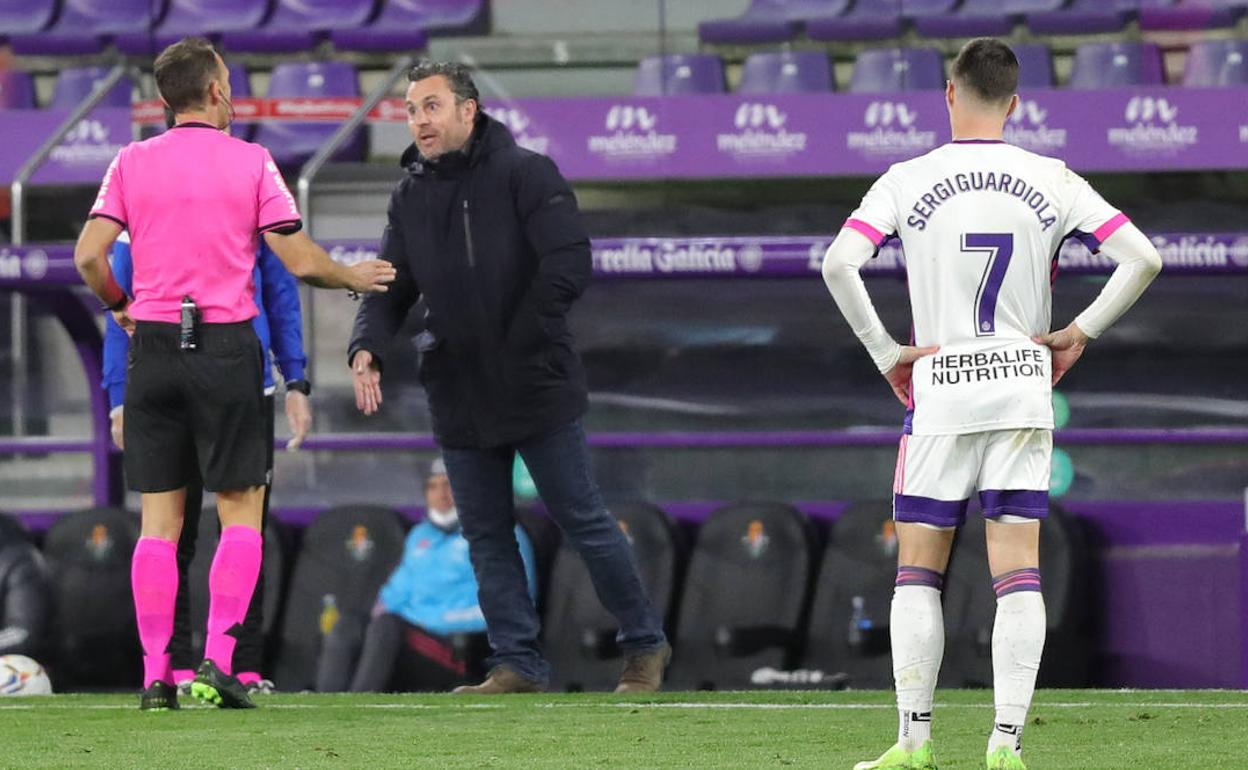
{"points": [[434, 586]]}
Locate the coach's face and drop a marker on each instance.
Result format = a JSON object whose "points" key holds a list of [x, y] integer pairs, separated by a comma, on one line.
{"points": [[438, 123]]}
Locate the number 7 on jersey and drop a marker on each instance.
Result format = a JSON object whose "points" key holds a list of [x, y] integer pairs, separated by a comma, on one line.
{"points": [[999, 247]]}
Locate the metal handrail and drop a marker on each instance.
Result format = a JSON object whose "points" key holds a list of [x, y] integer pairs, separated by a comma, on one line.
{"points": [[313, 167], [17, 192], [18, 188], [303, 187]]}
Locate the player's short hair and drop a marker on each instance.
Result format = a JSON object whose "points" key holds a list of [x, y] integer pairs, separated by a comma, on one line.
{"points": [[988, 68], [457, 75], [183, 71]]}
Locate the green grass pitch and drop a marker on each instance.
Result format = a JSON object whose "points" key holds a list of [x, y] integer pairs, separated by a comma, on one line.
{"points": [[1068, 729]]}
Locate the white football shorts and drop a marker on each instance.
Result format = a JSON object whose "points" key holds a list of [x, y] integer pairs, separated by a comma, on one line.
{"points": [[936, 476]]}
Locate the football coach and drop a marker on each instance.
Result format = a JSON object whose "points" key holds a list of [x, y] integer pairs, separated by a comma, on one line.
{"points": [[489, 235]]}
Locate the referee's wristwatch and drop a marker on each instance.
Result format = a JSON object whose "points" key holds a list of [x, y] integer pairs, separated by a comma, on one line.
{"points": [[299, 386], [119, 304]]}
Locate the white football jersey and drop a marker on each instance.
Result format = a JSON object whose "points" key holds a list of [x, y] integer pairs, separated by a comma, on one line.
{"points": [[981, 223]]}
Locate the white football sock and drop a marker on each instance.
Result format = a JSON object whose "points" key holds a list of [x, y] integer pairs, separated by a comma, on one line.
{"points": [[1017, 644], [917, 629]]}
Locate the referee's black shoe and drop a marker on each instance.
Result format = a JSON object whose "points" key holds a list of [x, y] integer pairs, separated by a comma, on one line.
{"points": [[161, 696], [219, 689]]}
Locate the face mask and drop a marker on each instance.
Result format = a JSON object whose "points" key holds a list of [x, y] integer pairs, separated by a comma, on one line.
{"points": [[446, 521]]}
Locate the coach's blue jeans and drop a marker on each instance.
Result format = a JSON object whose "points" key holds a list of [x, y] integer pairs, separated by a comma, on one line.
{"points": [[559, 464]]}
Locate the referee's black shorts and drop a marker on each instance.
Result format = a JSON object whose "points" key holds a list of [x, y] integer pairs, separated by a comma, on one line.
{"points": [[203, 407]]}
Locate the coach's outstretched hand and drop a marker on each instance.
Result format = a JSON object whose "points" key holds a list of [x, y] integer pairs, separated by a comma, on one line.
{"points": [[371, 275], [899, 376], [366, 377], [1067, 346]]}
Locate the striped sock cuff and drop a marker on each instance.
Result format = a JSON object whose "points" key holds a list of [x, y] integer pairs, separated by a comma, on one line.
{"points": [[919, 576], [1026, 579]]}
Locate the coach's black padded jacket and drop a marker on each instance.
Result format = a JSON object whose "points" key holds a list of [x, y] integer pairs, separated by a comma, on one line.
{"points": [[492, 239]]}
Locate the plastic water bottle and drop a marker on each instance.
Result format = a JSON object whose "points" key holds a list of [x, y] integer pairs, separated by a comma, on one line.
{"points": [[329, 614], [859, 624]]}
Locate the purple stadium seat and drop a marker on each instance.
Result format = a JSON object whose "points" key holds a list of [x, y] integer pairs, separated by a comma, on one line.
{"points": [[297, 25], [769, 21], [443, 16], [1089, 17], [1193, 14], [786, 72], [404, 25], [866, 20], [196, 17], [83, 24], [24, 17], [1217, 63], [974, 18], [293, 143], [17, 90], [240, 80], [897, 69], [73, 85], [982, 18], [1035, 66], [1113, 65], [679, 74], [1019, 7]]}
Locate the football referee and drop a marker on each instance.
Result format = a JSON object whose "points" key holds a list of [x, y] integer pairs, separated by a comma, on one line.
{"points": [[195, 202]]}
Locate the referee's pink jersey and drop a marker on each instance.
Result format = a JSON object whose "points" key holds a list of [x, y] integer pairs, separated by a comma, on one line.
{"points": [[195, 201]]}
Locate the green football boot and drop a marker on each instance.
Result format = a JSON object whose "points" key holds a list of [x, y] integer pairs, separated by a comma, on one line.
{"points": [[1004, 759], [161, 696], [898, 758], [214, 686]]}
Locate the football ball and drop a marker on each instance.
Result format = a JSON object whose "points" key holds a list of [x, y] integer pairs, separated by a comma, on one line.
{"points": [[19, 675]]}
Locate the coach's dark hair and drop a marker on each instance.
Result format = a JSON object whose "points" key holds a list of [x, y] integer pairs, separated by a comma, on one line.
{"points": [[988, 68], [458, 75], [183, 71]]}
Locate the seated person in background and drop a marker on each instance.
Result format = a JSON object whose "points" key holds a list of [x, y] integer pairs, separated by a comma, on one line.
{"points": [[416, 638], [25, 603]]}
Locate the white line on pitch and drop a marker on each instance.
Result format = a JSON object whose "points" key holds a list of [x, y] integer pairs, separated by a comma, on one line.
{"points": [[675, 705], [882, 706]]}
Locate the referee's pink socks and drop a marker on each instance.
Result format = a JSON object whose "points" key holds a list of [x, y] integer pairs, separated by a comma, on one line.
{"points": [[154, 581], [231, 582]]}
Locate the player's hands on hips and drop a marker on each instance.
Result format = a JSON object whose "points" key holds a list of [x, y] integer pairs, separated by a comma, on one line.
{"points": [[298, 417], [371, 275], [1067, 346], [899, 376], [124, 320], [366, 377], [117, 427]]}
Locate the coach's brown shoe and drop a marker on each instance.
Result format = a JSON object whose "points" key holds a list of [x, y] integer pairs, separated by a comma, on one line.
{"points": [[502, 680], [644, 672]]}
